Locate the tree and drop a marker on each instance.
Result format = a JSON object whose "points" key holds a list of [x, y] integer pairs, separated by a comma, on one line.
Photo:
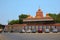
{"points": [[56, 17], [20, 21], [2, 26], [21, 17], [53, 16], [13, 22]]}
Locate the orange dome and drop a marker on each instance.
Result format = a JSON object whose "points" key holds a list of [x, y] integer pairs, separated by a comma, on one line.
{"points": [[39, 14], [29, 16], [47, 16]]}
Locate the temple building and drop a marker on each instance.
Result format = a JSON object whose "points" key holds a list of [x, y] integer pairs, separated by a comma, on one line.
{"points": [[39, 21]]}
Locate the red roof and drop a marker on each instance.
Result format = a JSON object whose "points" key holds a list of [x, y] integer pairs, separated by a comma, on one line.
{"points": [[17, 25], [38, 19], [57, 24]]}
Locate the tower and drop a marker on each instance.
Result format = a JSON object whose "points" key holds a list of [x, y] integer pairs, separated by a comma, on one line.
{"points": [[39, 14]]}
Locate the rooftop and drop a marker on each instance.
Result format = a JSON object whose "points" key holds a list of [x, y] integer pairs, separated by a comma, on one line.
{"points": [[39, 17]]}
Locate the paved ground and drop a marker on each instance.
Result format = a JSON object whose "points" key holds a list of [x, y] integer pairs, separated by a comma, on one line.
{"points": [[29, 36]]}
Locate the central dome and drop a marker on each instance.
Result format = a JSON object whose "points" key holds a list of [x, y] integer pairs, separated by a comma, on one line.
{"points": [[39, 14]]}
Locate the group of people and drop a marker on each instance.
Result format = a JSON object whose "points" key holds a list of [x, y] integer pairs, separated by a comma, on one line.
{"points": [[33, 29]]}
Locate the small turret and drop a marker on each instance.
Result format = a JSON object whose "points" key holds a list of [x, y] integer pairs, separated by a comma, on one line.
{"points": [[29, 16], [47, 16]]}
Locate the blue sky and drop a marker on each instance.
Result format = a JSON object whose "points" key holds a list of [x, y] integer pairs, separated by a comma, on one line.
{"points": [[11, 9]]}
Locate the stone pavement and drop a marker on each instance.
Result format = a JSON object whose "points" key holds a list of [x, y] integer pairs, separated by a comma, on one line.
{"points": [[29, 36]]}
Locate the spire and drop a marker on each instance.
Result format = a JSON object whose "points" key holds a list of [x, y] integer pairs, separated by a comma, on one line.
{"points": [[39, 10], [39, 14]]}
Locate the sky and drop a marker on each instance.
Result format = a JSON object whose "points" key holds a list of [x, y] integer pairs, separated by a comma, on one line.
{"points": [[11, 9]]}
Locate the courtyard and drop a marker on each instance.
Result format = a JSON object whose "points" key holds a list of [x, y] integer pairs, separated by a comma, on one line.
{"points": [[30, 36]]}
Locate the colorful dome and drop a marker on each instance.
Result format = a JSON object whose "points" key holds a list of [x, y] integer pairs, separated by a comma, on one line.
{"points": [[39, 14], [47, 16], [29, 16]]}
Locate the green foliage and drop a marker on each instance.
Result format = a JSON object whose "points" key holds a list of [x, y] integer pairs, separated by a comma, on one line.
{"points": [[20, 21], [2, 26], [21, 17], [56, 17], [53, 15], [13, 22]]}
